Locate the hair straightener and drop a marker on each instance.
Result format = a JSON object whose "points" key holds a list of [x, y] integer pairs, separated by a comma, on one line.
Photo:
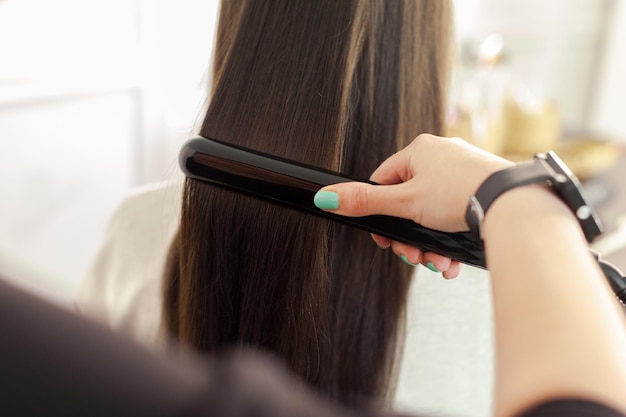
{"points": [[294, 184]]}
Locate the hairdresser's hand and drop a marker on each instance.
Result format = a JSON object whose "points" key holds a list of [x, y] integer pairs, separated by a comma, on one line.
{"points": [[429, 182]]}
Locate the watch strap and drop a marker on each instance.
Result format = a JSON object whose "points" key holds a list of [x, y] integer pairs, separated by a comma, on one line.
{"points": [[545, 168], [532, 172]]}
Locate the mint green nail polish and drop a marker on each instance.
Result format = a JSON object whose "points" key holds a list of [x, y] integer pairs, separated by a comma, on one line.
{"points": [[326, 200], [406, 260], [432, 267]]}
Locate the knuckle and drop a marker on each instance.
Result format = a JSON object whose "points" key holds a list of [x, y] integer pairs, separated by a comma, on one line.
{"points": [[360, 200], [424, 137]]}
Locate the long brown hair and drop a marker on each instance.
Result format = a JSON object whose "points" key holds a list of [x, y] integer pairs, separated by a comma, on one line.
{"points": [[335, 84]]}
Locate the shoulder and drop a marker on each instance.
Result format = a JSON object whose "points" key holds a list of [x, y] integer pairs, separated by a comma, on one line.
{"points": [[122, 288], [146, 220], [152, 204]]}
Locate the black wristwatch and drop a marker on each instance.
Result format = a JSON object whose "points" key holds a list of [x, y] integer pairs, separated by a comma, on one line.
{"points": [[545, 168]]}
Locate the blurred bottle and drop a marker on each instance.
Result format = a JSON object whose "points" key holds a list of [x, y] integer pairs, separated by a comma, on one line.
{"points": [[533, 122], [497, 109], [476, 113]]}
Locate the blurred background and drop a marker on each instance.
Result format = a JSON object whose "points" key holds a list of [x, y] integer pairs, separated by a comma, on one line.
{"points": [[96, 97]]}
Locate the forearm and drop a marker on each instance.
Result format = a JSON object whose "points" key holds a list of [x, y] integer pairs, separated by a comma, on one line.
{"points": [[559, 331]]}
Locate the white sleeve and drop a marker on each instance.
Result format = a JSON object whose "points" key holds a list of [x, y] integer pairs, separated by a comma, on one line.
{"points": [[122, 288]]}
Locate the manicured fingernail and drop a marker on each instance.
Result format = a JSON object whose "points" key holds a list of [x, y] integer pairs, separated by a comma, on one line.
{"points": [[326, 200], [432, 267], [406, 260]]}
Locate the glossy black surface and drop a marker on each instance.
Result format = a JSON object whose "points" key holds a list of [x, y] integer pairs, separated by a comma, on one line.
{"points": [[293, 184], [616, 279]]}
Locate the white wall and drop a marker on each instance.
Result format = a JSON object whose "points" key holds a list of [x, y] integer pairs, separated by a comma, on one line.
{"points": [[608, 114], [69, 100], [95, 98]]}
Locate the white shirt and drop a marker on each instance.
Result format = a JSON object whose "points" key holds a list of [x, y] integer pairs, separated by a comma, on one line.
{"points": [[123, 286]]}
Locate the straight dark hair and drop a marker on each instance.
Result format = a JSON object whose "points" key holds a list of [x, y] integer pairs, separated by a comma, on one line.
{"points": [[336, 84]]}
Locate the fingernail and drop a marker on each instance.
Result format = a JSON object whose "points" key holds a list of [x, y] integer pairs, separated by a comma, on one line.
{"points": [[406, 260], [432, 267], [326, 200]]}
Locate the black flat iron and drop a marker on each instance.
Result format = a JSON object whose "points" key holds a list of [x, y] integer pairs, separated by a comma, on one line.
{"points": [[294, 185]]}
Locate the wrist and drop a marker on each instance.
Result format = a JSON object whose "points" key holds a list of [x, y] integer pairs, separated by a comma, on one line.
{"points": [[530, 209]]}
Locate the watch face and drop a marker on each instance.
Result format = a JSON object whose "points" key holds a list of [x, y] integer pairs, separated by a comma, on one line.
{"points": [[557, 165]]}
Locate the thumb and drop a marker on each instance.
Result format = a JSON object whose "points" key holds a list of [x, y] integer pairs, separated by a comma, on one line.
{"points": [[356, 199]]}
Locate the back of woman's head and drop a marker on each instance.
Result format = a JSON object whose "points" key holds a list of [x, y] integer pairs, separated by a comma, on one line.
{"points": [[336, 84]]}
